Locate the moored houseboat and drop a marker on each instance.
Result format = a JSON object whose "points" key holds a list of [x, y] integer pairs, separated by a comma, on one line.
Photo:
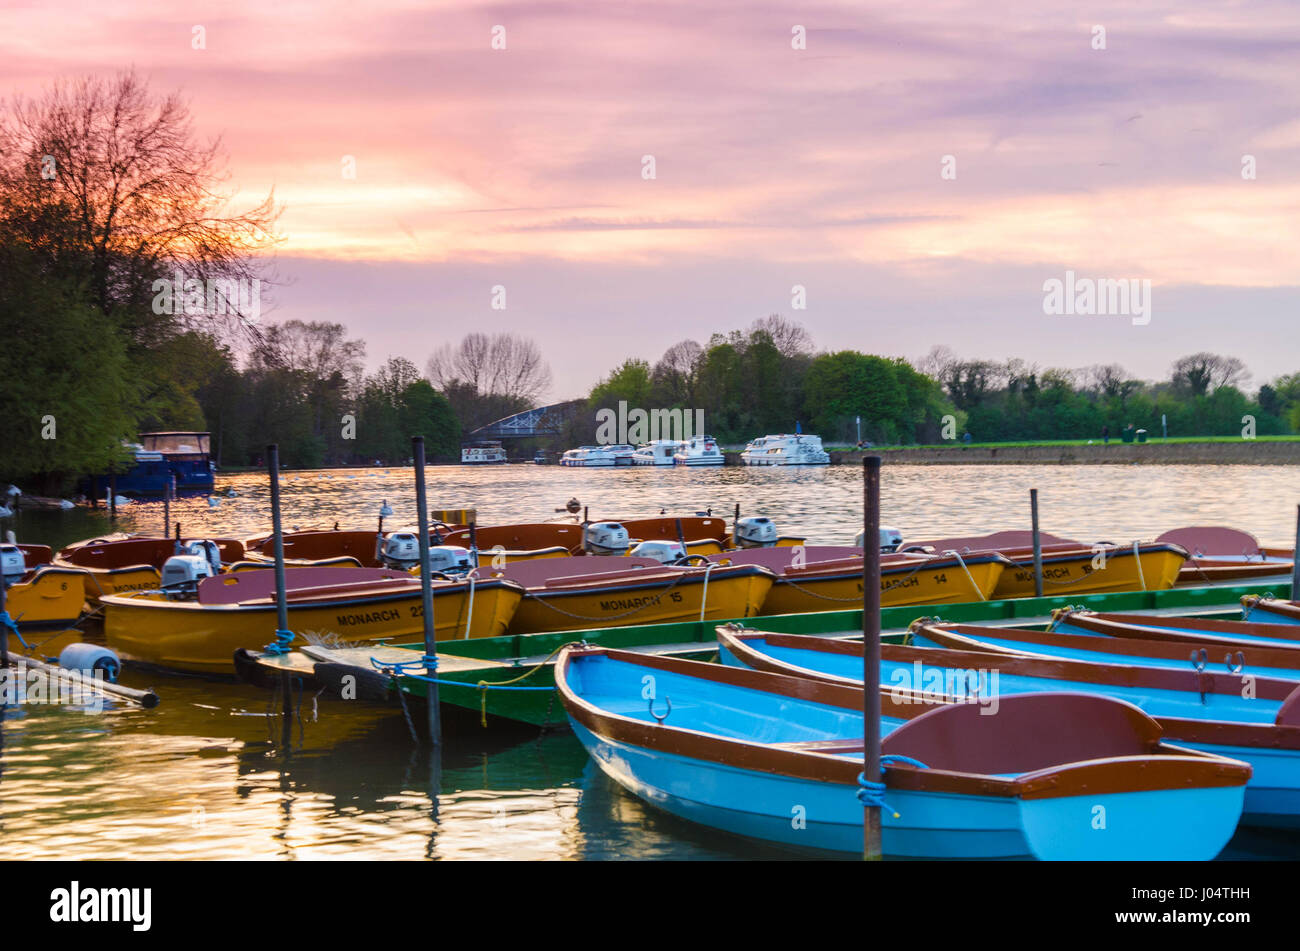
{"points": [[482, 453], [799, 449], [699, 451]]}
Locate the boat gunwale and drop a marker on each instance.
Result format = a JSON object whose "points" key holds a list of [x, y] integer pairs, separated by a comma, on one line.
{"points": [[1118, 646], [137, 598]]}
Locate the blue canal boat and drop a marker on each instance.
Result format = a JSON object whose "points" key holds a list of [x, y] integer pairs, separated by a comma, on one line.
{"points": [[175, 461], [1252, 718], [188, 455], [774, 757]]}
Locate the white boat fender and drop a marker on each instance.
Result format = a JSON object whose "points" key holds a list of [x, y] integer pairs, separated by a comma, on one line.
{"points": [[91, 657]]}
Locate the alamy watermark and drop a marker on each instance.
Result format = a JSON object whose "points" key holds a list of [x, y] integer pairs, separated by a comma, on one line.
{"points": [[216, 297], [1103, 297], [624, 427], [21, 684], [941, 685]]}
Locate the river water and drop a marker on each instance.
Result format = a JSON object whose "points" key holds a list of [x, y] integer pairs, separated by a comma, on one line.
{"points": [[204, 774]]}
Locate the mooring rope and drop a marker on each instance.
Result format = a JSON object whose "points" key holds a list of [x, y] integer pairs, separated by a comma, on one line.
{"points": [[394, 669], [873, 794], [281, 645], [7, 621]]}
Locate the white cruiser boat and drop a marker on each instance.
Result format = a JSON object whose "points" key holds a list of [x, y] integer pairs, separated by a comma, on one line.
{"points": [[598, 456], [700, 451], [657, 453], [482, 453], [786, 450]]}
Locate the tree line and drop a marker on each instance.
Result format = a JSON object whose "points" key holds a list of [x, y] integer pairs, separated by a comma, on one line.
{"points": [[769, 379]]}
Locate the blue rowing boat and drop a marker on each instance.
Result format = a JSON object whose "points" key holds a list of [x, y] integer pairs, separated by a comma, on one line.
{"points": [[1115, 643], [775, 757], [1270, 610], [1262, 632], [1232, 714]]}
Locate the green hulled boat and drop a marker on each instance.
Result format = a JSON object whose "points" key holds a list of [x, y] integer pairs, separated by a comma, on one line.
{"points": [[508, 680]]}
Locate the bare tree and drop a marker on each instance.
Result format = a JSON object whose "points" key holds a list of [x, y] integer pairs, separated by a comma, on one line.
{"points": [[109, 182], [934, 363], [1110, 380], [1200, 373], [675, 373], [789, 337], [503, 366], [317, 348]]}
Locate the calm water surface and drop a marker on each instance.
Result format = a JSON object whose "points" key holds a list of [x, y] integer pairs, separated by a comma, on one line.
{"points": [[205, 774]]}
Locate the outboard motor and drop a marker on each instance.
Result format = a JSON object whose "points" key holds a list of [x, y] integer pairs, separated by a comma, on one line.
{"points": [[181, 575], [663, 551], [400, 551], [12, 564], [205, 548], [890, 539], [756, 531], [449, 559], [605, 538]]}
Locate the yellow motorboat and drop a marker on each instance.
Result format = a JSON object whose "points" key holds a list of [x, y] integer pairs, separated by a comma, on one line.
{"points": [[38, 596], [568, 594], [829, 577], [1152, 567], [1069, 566], [347, 605]]}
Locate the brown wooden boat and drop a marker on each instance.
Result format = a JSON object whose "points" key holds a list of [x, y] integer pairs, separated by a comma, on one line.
{"points": [[132, 562], [1217, 553]]}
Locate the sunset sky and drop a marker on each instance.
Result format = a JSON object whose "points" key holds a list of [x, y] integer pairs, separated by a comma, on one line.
{"points": [[774, 167]]}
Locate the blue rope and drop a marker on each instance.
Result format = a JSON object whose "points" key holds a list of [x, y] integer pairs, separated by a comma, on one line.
{"points": [[282, 641], [7, 621], [873, 794]]}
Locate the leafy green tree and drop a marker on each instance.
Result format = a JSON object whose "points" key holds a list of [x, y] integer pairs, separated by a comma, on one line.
{"points": [[67, 396]]}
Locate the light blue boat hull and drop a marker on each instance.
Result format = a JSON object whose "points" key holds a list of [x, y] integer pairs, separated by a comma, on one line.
{"points": [[1262, 615], [1065, 627], [828, 817], [1272, 795], [1103, 657]]}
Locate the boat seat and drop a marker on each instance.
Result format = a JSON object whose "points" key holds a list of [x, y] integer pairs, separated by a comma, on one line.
{"points": [[998, 541], [1212, 540], [250, 585], [1029, 732]]}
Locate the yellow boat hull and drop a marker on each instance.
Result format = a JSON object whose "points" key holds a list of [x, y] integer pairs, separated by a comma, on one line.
{"points": [[188, 636], [1089, 573], [52, 597], [938, 585], [741, 595], [100, 582]]}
